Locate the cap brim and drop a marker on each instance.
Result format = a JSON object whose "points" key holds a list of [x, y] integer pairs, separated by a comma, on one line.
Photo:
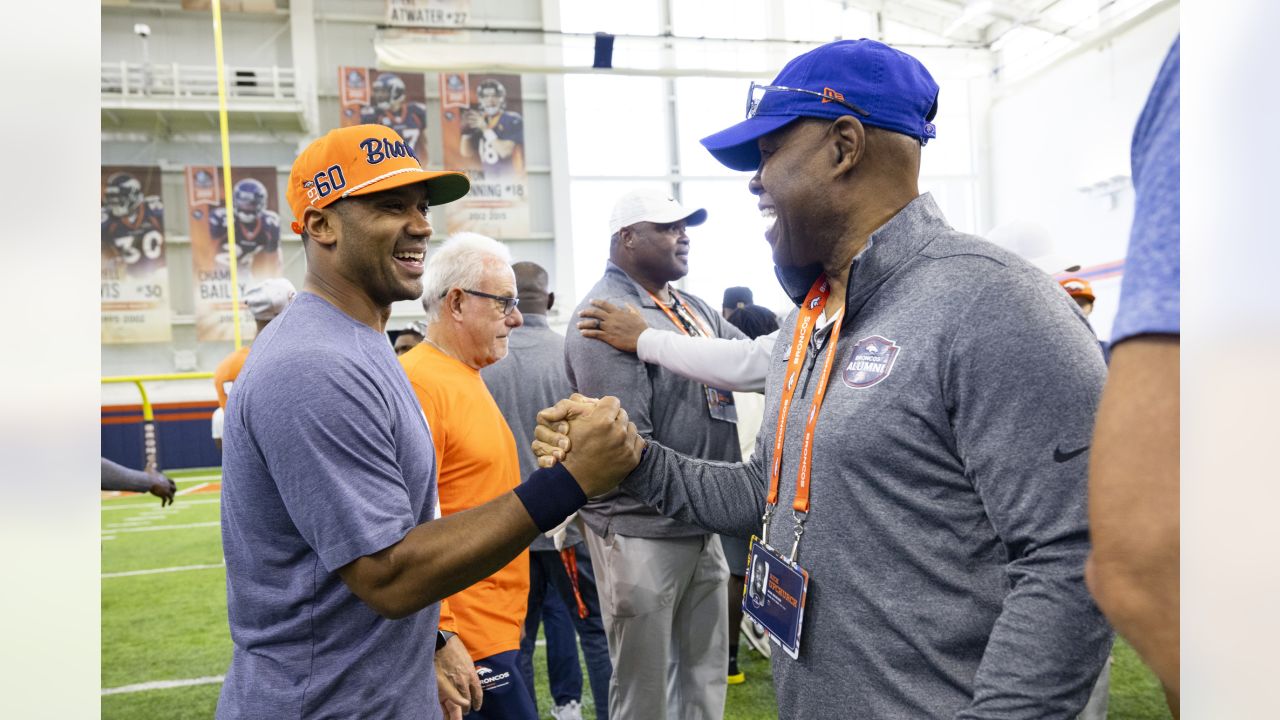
{"points": [[736, 147], [443, 186]]}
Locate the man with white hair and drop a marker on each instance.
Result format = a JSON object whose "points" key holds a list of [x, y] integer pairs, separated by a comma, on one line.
{"points": [[469, 294], [264, 301]]}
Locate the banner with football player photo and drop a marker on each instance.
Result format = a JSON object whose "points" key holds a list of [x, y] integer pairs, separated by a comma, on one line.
{"points": [[483, 134], [254, 215], [397, 100], [135, 274]]}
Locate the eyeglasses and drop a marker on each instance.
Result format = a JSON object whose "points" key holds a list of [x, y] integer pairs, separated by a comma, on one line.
{"points": [[508, 303], [828, 95]]}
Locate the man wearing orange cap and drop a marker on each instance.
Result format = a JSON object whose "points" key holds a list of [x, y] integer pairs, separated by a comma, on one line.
{"points": [[1081, 291], [336, 561]]}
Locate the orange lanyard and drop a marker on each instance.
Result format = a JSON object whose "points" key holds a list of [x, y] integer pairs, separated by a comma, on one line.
{"points": [[806, 325], [675, 320]]}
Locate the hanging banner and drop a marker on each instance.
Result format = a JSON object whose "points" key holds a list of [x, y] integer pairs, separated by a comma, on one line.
{"points": [[397, 100], [483, 133], [254, 205], [428, 13], [248, 6], [135, 274]]}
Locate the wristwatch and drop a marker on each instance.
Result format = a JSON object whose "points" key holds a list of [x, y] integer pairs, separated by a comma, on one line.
{"points": [[442, 637]]}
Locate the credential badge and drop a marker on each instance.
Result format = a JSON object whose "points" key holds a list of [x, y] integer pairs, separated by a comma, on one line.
{"points": [[872, 361]]}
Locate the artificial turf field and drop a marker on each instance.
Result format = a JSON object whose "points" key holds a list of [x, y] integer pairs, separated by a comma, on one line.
{"points": [[165, 643]]}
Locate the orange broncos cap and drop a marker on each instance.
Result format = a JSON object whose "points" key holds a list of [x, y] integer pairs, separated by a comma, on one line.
{"points": [[1078, 287], [360, 160]]}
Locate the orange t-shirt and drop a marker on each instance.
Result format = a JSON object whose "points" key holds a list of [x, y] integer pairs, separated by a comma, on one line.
{"points": [[476, 462], [227, 372]]}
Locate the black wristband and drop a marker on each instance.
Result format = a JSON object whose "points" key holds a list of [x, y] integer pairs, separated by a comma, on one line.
{"points": [[550, 495]]}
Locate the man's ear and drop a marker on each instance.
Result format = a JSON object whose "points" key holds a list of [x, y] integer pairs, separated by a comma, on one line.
{"points": [[849, 138], [551, 300], [322, 225], [453, 302]]}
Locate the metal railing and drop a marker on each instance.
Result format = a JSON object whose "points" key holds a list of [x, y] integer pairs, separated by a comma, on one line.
{"points": [[172, 80]]}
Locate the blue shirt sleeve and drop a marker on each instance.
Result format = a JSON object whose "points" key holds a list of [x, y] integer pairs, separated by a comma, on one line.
{"points": [[1150, 291]]}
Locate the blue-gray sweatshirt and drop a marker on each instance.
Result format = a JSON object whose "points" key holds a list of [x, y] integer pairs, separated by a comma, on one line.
{"points": [[947, 534]]}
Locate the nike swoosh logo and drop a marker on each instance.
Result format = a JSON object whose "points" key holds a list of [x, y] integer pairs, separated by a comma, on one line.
{"points": [[1059, 456]]}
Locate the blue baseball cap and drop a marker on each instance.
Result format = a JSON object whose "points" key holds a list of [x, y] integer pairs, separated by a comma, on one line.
{"points": [[875, 83]]}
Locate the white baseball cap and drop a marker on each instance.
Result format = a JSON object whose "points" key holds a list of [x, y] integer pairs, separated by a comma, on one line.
{"points": [[269, 298], [1032, 241], [653, 206]]}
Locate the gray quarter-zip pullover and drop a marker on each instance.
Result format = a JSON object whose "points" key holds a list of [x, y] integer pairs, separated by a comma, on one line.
{"points": [[947, 535]]}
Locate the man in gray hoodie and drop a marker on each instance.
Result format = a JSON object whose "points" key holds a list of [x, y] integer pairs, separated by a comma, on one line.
{"points": [[940, 514]]}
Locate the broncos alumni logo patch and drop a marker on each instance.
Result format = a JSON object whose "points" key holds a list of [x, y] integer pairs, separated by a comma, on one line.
{"points": [[871, 362]]}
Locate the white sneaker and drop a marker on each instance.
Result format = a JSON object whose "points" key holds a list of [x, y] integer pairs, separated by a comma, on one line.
{"points": [[756, 637], [571, 710]]}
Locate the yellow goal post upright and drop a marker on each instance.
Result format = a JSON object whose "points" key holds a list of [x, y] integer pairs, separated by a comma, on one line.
{"points": [[149, 446]]}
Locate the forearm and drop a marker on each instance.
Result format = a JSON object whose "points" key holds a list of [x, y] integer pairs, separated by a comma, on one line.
{"points": [[438, 558], [728, 364], [1048, 644], [1133, 501], [118, 477], [720, 497]]}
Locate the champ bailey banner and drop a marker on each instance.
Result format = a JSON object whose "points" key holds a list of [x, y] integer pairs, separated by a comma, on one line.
{"points": [[135, 274], [257, 228], [483, 134], [397, 100]]}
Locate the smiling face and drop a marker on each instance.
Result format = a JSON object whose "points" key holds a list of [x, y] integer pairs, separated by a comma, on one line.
{"points": [[792, 194], [383, 242], [484, 331], [659, 253], [491, 100]]}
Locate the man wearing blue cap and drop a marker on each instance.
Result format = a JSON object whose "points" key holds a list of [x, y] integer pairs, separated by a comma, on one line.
{"points": [[927, 424]]}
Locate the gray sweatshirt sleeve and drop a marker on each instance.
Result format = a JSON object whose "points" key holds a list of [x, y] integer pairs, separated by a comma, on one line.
{"points": [[721, 497], [119, 477], [1023, 379], [595, 369]]}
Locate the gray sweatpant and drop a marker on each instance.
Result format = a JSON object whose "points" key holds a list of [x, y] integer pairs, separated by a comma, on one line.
{"points": [[665, 608]]}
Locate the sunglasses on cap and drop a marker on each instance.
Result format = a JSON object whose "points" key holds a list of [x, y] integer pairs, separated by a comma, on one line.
{"points": [[756, 93]]}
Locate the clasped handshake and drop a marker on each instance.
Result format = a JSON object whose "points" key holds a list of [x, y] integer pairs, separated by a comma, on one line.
{"points": [[593, 439]]}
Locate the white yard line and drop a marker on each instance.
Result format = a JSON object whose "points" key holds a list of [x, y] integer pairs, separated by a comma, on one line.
{"points": [[108, 537], [155, 571], [163, 685], [153, 528], [196, 478], [133, 506], [193, 489]]}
